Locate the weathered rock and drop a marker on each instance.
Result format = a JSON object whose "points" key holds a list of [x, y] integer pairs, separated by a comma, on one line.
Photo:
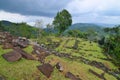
{"points": [[99, 65], [2, 78], [24, 54], [101, 76], [12, 56], [46, 69], [22, 42], [40, 52], [71, 76], [7, 46], [59, 67]]}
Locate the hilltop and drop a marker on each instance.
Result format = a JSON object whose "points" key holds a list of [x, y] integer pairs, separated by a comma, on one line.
{"points": [[78, 57]]}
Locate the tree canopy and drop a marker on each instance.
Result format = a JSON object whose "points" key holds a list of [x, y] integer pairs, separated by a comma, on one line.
{"points": [[62, 21]]}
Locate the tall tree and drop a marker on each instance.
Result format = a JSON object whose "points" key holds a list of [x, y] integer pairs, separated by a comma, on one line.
{"points": [[39, 25], [62, 21]]}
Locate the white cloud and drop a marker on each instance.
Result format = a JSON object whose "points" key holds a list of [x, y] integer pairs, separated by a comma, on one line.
{"points": [[94, 6], [95, 11], [14, 17]]}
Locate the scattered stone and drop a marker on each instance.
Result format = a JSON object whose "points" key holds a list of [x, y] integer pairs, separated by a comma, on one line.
{"points": [[24, 54], [2, 78], [71, 76], [12, 56], [59, 67], [7, 46], [99, 65], [101, 76], [20, 41], [41, 53], [46, 69]]}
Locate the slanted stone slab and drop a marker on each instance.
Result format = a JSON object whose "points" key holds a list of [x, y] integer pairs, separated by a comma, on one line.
{"points": [[101, 76], [71, 76], [24, 54], [46, 69], [12, 56]]}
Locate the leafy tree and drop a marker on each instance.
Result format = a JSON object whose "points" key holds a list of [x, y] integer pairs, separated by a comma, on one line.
{"points": [[112, 45], [39, 25], [76, 33], [19, 29], [62, 21]]}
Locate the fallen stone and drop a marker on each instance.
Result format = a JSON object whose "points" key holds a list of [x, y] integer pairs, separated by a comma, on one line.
{"points": [[46, 69], [12, 56], [71, 76], [59, 67], [101, 76], [24, 54], [7, 46], [2, 78]]}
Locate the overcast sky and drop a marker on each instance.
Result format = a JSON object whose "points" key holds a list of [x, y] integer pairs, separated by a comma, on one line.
{"points": [[82, 11]]}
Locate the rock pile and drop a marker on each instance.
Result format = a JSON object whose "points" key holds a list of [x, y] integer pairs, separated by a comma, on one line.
{"points": [[9, 41]]}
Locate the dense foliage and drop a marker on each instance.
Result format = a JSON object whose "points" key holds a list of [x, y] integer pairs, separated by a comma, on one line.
{"points": [[19, 29], [62, 21], [112, 43], [76, 33]]}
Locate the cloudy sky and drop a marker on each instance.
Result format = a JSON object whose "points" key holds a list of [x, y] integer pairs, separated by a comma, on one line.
{"points": [[82, 11]]}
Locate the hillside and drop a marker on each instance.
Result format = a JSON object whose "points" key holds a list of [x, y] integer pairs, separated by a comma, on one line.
{"points": [[83, 59], [18, 29], [86, 26]]}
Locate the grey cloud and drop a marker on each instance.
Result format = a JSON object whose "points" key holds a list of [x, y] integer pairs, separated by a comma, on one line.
{"points": [[33, 7]]}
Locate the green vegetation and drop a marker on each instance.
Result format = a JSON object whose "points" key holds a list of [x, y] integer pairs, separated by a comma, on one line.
{"points": [[18, 29], [76, 49], [112, 44], [62, 21], [23, 69]]}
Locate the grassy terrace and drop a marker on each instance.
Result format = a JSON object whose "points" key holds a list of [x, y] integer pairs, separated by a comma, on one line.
{"points": [[26, 69]]}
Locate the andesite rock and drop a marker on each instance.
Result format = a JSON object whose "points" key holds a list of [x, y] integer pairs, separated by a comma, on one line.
{"points": [[71, 76], [59, 67], [46, 69], [12, 56]]}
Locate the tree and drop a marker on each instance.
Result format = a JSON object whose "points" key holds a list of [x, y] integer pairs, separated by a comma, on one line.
{"points": [[62, 21], [39, 25], [112, 44], [91, 34]]}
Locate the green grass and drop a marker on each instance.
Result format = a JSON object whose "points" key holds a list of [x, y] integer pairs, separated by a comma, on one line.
{"points": [[26, 69], [19, 70], [28, 49], [88, 50], [76, 68]]}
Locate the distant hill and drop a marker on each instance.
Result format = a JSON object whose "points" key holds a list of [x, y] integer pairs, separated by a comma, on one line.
{"points": [[6, 23], [18, 29], [105, 25], [84, 27]]}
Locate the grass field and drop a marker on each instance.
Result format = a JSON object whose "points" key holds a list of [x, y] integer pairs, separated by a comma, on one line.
{"points": [[27, 70]]}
